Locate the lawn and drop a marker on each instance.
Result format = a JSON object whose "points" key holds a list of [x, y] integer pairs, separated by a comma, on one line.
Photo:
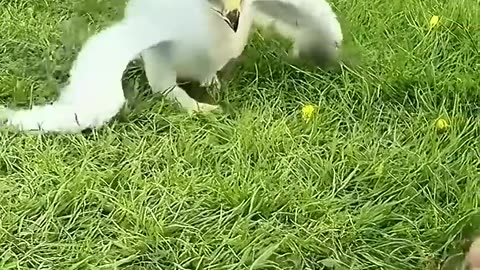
{"points": [[369, 183]]}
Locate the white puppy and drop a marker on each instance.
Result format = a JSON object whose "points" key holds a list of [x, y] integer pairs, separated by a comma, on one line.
{"points": [[176, 39]]}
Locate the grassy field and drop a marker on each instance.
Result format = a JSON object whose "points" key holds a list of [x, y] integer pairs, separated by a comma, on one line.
{"points": [[368, 183]]}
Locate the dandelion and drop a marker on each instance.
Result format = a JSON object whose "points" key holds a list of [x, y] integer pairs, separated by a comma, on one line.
{"points": [[307, 112], [441, 125], [434, 21]]}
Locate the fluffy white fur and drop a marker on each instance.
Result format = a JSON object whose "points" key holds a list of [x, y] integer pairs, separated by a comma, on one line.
{"points": [[181, 38]]}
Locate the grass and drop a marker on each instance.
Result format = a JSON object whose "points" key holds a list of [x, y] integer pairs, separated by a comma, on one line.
{"points": [[369, 183]]}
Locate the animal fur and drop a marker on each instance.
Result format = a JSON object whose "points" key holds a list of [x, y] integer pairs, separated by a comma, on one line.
{"points": [[175, 39]]}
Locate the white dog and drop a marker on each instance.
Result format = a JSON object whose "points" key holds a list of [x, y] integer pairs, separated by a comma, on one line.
{"points": [[176, 39]]}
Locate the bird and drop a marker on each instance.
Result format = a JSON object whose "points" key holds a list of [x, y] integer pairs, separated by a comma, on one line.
{"points": [[181, 39]]}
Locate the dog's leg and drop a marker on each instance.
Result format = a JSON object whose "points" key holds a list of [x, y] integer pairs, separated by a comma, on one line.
{"points": [[162, 78]]}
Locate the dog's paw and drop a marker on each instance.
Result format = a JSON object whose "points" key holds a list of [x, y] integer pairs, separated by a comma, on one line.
{"points": [[203, 108], [4, 112], [212, 82]]}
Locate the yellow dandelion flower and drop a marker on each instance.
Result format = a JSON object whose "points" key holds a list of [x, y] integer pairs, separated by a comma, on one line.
{"points": [[434, 21], [307, 112], [441, 125]]}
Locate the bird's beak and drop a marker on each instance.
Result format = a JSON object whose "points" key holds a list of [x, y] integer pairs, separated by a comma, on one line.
{"points": [[231, 13], [232, 17]]}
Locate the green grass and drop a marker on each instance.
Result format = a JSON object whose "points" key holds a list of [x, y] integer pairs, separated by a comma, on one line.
{"points": [[369, 183]]}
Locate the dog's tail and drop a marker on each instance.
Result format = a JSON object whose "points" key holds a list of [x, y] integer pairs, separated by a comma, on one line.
{"points": [[94, 94]]}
